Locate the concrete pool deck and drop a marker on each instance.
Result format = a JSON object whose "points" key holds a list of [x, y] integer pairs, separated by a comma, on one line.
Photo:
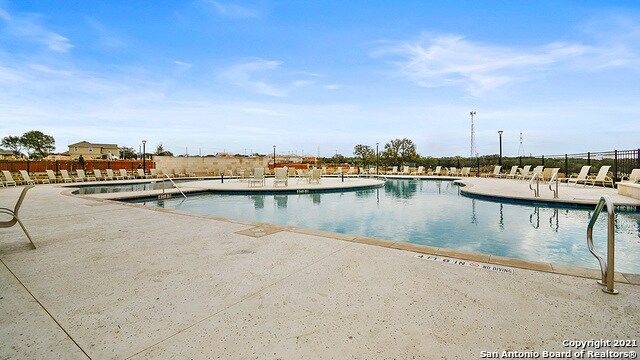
{"points": [[115, 280]]}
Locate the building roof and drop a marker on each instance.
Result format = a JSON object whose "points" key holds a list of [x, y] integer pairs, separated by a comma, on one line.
{"points": [[6, 152], [86, 143]]}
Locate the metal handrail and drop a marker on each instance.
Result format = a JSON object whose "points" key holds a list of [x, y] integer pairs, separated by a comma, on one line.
{"points": [[174, 184], [536, 191], [606, 267], [554, 178]]}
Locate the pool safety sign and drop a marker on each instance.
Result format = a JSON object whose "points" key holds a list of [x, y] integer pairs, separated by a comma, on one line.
{"points": [[466, 263]]}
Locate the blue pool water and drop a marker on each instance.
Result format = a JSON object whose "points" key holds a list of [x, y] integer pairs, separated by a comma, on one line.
{"points": [[127, 186], [434, 213]]}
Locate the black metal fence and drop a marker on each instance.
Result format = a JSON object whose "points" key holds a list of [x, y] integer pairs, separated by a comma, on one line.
{"points": [[621, 162]]}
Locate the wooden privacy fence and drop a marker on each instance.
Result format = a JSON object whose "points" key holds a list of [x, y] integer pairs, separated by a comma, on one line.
{"points": [[43, 165]]}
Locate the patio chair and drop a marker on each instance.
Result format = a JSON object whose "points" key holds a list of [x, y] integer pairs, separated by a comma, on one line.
{"points": [[437, 171], [315, 176], [125, 175], [495, 173], [66, 177], [524, 172], [536, 170], [281, 177], [405, 170], [302, 175], [603, 177], [8, 179], [394, 170], [81, 175], [52, 176], [634, 177], [511, 174], [258, 177], [98, 174], [466, 171], [581, 177], [154, 173], [352, 171], [179, 172], [142, 175], [419, 171], [25, 178], [14, 214], [338, 171], [453, 171]]}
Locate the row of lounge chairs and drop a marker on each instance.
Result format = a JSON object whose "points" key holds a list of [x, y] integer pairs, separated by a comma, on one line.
{"points": [[65, 177], [546, 174]]}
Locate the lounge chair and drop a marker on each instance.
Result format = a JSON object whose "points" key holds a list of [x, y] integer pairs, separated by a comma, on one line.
{"points": [[52, 176], [495, 173], [66, 177], [142, 175], [405, 170], [82, 176], [582, 177], [453, 171], [14, 214], [281, 177], [419, 171], [394, 170], [437, 171], [603, 177], [316, 175], [154, 173], [466, 171], [634, 177], [511, 174], [125, 175], [338, 171], [352, 171], [98, 174], [179, 172], [258, 177], [537, 170], [524, 172], [302, 175], [25, 178], [8, 179]]}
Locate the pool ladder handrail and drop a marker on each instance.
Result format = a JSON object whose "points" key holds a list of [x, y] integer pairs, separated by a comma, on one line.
{"points": [[174, 184], [606, 267], [553, 179], [536, 191]]}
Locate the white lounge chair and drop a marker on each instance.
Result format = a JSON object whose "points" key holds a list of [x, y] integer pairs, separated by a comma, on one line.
{"points": [[634, 177], [66, 177], [338, 171], [394, 170], [603, 177], [495, 173], [82, 175], [14, 214], [142, 175], [125, 175], [405, 170], [315, 176], [466, 171], [154, 173], [453, 171], [302, 175], [511, 174], [437, 171], [25, 178], [581, 177], [52, 176], [419, 171], [258, 177], [524, 172], [537, 170], [98, 174], [281, 177], [8, 179]]}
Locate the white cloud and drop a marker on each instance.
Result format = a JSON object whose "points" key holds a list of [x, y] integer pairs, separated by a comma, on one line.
{"points": [[28, 27], [232, 10]]}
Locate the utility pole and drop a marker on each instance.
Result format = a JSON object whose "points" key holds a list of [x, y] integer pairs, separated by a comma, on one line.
{"points": [[473, 135]]}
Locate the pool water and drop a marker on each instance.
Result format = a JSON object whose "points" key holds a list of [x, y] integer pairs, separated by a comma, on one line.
{"points": [[434, 213], [122, 187]]}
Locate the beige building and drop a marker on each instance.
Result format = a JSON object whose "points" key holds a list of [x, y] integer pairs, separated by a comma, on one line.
{"points": [[93, 151]]}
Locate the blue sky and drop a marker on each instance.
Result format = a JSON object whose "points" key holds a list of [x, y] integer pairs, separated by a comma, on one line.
{"points": [[323, 76]]}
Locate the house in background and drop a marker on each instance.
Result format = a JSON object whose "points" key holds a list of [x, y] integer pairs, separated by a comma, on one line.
{"points": [[6, 155], [93, 151]]}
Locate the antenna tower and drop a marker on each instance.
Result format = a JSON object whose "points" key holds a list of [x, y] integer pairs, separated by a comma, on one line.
{"points": [[521, 148], [473, 135]]}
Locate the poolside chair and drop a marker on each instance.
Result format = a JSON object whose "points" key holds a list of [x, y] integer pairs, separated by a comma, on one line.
{"points": [[179, 172], [8, 179], [405, 170], [437, 171], [338, 171], [14, 214], [25, 178], [352, 171], [281, 176], [301, 175], [603, 177], [324, 170], [537, 170], [258, 177], [109, 174], [66, 177], [98, 174], [453, 171], [634, 177], [419, 171], [142, 175], [524, 172], [466, 171], [82, 176], [52, 176], [154, 173], [495, 173], [125, 175], [511, 174], [394, 170], [582, 177], [315, 176]]}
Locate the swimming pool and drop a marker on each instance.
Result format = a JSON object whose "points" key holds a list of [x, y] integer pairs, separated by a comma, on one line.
{"points": [[432, 212], [123, 187]]}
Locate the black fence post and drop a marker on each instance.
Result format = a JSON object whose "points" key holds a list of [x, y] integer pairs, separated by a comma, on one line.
{"points": [[28, 165], [542, 160], [57, 167], [566, 166], [520, 162], [615, 167], [478, 163], [638, 158], [588, 158]]}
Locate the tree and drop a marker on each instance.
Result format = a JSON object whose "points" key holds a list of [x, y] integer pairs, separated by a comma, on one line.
{"points": [[365, 153], [160, 151], [127, 153], [14, 143], [41, 144], [400, 151]]}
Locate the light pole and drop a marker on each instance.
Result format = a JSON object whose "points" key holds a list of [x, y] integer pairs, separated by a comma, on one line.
{"points": [[274, 159], [500, 158], [473, 135], [377, 160], [144, 150]]}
